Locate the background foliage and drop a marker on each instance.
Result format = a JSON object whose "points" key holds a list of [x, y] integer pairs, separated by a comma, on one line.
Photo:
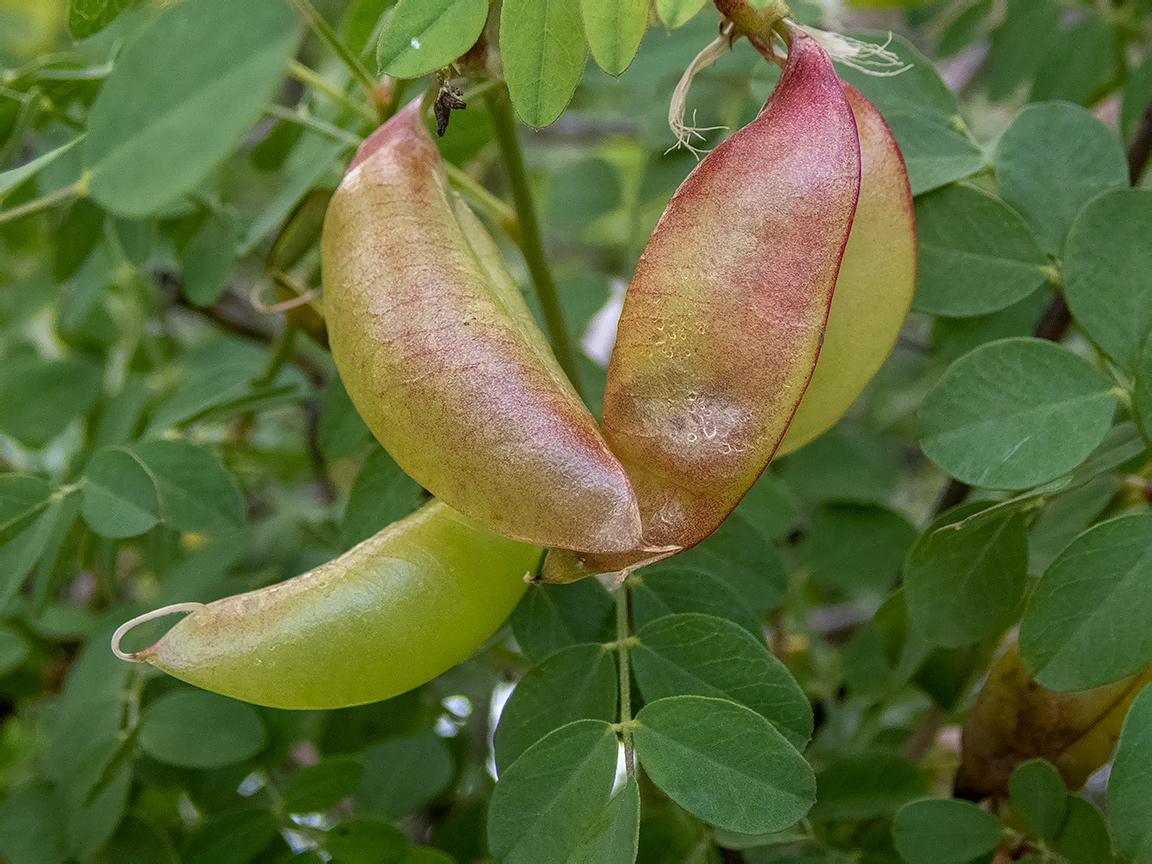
{"points": [[169, 433]]}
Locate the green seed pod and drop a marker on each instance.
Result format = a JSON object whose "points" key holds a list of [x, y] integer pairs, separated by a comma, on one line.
{"points": [[388, 615]]}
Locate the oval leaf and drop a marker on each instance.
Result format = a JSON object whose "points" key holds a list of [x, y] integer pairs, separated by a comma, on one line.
{"points": [[366, 841], [39, 398], [1095, 44], [195, 729], [341, 432], [858, 548], [1130, 783], [22, 498], [551, 617], [944, 832], [401, 774], [614, 29], [657, 592], [1039, 799], [676, 13], [542, 45], [381, 494], [740, 556], [1019, 44], [965, 576], [866, 786], [197, 493], [577, 683], [1083, 838], [1107, 260], [704, 655], [919, 89], [231, 839], [723, 763], [181, 96], [1143, 389], [1016, 413], [208, 259], [1052, 159], [974, 253], [14, 177], [13, 650], [317, 787], [551, 796], [1089, 621], [421, 35], [935, 151], [614, 836], [118, 498]]}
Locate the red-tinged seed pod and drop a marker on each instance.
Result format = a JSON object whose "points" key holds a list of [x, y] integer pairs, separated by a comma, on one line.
{"points": [[723, 320], [875, 286], [444, 362]]}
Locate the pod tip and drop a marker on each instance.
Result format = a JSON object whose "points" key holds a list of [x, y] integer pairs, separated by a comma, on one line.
{"points": [[138, 656]]}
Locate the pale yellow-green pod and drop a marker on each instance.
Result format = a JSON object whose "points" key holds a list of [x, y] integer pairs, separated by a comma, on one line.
{"points": [[875, 285], [388, 615]]}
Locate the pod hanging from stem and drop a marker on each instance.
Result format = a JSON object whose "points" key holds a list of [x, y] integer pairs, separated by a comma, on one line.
{"points": [[724, 318]]}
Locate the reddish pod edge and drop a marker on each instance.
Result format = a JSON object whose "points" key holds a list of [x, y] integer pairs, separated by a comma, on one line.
{"points": [[443, 360], [723, 321]]}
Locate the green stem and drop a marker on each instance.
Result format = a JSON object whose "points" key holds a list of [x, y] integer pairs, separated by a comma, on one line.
{"points": [[299, 115], [625, 677], [325, 32], [44, 202], [531, 243], [319, 83], [500, 212], [283, 352]]}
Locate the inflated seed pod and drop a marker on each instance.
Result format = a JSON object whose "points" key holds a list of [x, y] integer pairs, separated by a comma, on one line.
{"points": [[444, 362], [1015, 719], [875, 286], [388, 615], [724, 317]]}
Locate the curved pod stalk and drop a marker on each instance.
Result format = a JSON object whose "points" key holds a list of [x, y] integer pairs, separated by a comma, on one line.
{"points": [[444, 362], [875, 286], [723, 320], [388, 615]]}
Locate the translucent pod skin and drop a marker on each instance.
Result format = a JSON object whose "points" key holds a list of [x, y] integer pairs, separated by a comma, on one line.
{"points": [[875, 286], [1015, 719], [444, 362], [388, 615], [724, 318]]}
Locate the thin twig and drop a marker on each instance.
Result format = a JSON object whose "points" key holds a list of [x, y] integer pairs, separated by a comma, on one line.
{"points": [[302, 117], [500, 212], [924, 734], [954, 493], [622, 631], [319, 83], [237, 327], [1141, 146], [65, 193], [779, 635], [531, 243], [328, 490], [349, 59]]}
